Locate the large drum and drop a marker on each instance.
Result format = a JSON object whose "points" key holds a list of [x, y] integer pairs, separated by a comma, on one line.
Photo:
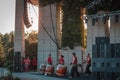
{"points": [[49, 69], [61, 70], [42, 68]]}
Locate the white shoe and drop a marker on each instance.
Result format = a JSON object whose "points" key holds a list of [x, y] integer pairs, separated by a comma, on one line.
{"points": [[45, 74]]}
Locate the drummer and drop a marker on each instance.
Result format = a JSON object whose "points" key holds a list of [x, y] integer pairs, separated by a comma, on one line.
{"points": [[61, 68], [49, 59], [49, 66], [74, 66], [61, 60]]}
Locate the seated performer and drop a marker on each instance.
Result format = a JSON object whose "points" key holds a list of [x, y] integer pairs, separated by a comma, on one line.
{"points": [[61, 68], [49, 67], [49, 59], [61, 60]]}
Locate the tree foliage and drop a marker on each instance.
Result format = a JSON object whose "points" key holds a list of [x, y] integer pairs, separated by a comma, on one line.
{"points": [[7, 46], [7, 42], [73, 28], [31, 41], [2, 55]]}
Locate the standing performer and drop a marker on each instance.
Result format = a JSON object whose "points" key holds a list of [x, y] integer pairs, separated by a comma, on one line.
{"points": [[88, 61], [61, 60], [34, 63], [74, 66], [49, 60], [61, 69], [23, 64], [27, 64], [49, 68]]}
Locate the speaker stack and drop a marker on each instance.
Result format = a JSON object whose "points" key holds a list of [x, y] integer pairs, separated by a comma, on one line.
{"points": [[17, 62], [105, 59]]}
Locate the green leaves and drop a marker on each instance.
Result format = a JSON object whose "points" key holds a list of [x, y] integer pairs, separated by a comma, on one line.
{"points": [[72, 29], [31, 41], [2, 54]]}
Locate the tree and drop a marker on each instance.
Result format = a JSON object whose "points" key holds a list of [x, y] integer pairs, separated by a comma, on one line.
{"points": [[10, 55], [2, 55], [32, 36], [31, 41], [7, 42], [73, 28]]}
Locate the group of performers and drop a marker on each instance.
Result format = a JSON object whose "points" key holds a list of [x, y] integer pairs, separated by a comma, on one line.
{"points": [[28, 64], [61, 69], [48, 69]]}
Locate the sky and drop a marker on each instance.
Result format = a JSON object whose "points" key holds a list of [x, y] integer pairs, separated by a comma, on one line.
{"points": [[7, 17]]}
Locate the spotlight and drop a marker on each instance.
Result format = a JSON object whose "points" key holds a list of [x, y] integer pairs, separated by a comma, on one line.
{"points": [[116, 18]]}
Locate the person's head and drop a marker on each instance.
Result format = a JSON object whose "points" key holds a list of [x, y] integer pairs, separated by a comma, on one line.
{"points": [[62, 56], [49, 54], [73, 54], [88, 54]]}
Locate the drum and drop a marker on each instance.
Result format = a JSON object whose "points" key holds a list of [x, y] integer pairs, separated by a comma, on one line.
{"points": [[61, 70], [49, 69], [42, 68]]}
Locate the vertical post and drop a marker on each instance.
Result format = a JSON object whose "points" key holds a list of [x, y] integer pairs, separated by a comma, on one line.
{"points": [[19, 35]]}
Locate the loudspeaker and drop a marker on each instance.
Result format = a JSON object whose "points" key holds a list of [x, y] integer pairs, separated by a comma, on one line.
{"points": [[102, 40], [94, 51], [17, 62], [117, 50], [98, 51], [112, 50]]}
